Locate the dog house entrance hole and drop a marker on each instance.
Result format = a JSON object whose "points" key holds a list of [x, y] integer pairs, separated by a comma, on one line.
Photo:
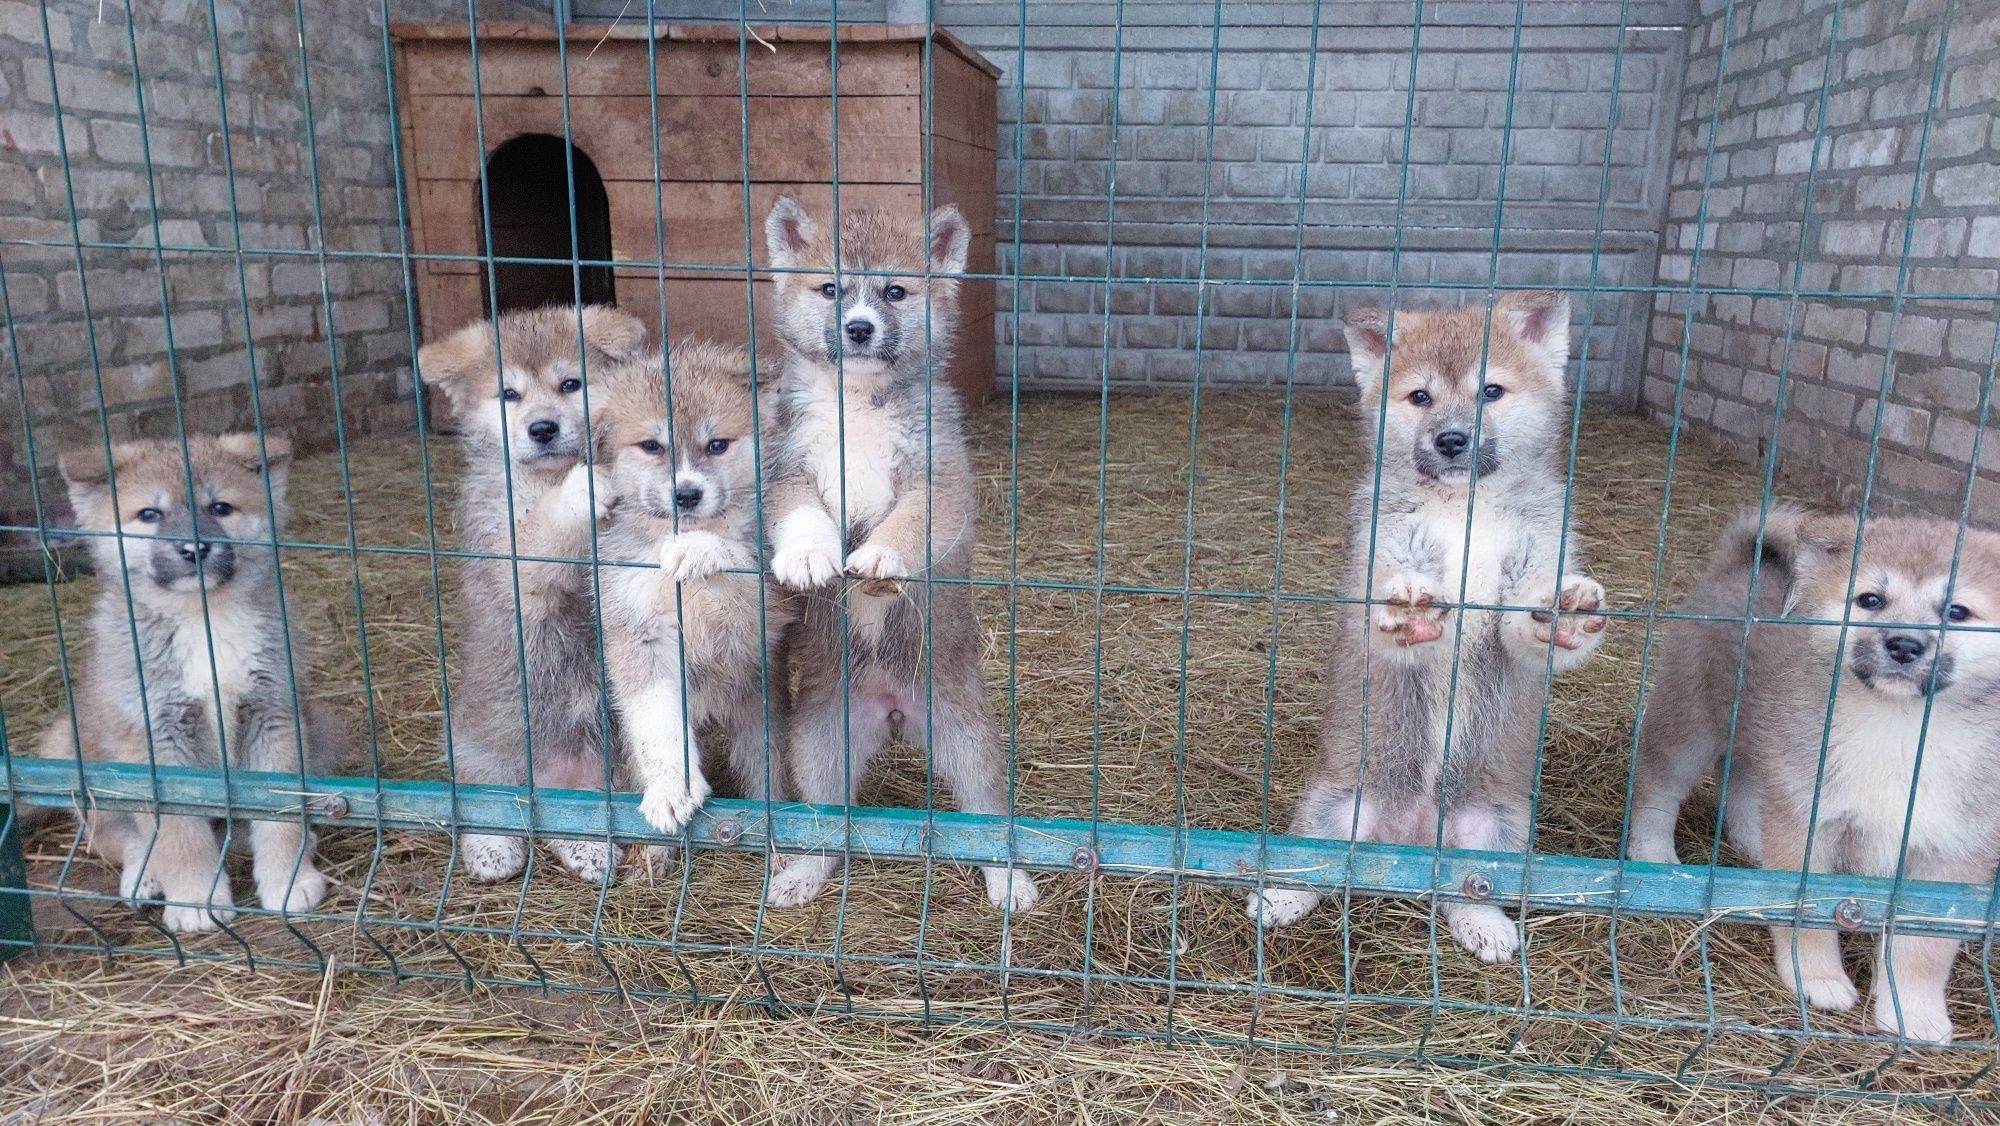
{"points": [[528, 190]]}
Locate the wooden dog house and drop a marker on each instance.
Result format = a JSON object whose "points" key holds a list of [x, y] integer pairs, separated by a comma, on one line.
{"points": [[689, 210]]}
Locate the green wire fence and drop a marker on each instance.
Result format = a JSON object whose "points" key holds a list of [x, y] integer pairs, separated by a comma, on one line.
{"points": [[638, 951]]}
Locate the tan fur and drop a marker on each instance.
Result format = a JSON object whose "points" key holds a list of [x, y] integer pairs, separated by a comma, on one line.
{"points": [[526, 497], [187, 626], [872, 486], [1453, 694], [694, 643], [1862, 772]]}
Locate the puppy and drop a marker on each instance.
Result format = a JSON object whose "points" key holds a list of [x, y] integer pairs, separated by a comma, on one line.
{"points": [[872, 480], [526, 493], [695, 641], [1903, 682], [1460, 396], [189, 663]]}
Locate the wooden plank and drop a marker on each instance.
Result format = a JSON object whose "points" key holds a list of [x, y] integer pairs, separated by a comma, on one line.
{"points": [[959, 96], [447, 301], [704, 219], [700, 138], [599, 68], [494, 30]]}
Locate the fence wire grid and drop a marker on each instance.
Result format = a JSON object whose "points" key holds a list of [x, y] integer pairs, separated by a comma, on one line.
{"points": [[1196, 531]]}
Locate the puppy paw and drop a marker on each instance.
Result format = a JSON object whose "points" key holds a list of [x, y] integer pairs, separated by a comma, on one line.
{"points": [[1012, 891], [692, 556], [138, 886], [1485, 932], [1923, 1018], [292, 893], [806, 550], [1409, 612], [489, 858], [187, 918], [1280, 907], [798, 880], [670, 803], [654, 862], [1573, 625], [873, 561], [589, 861], [586, 494], [1830, 989], [1652, 850]]}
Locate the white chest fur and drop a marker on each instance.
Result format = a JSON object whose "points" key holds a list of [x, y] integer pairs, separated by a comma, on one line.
{"points": [[214, 664], [1871, 760], [1473, 552], [852, 449]]}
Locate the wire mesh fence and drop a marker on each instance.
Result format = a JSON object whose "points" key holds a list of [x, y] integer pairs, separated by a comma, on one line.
{"points": [[1143, 626]]}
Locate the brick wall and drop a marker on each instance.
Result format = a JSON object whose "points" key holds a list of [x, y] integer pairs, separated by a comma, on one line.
{"points": [[1550, 228], [1834, 209]]}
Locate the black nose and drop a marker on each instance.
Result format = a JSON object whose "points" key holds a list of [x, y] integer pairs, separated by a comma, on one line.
{"points": [[860, 331], [1903, 650], [544, 431], [1451, 443], [193, 551], [687, 496]]}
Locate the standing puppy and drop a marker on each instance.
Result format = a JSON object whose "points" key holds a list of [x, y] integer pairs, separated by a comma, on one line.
{"points": [[193, 668], [1903, 685], [872, 480], [526, 493], [1459, 394], [695, 641]]}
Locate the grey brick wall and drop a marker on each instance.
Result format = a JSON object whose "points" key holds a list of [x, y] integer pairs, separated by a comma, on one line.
{"points": [[1833, 209], [104, 197], [1564, 222]]}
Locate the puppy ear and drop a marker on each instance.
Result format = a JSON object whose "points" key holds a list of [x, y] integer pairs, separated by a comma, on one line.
{"points": [[274, 453], [950, 239], [452, 362], [85, 467], [788, 231], [1540, 319], [613, 332], [1367, 346]]}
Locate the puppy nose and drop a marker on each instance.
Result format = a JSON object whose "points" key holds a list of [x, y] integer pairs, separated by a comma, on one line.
{"points": [[1451, 443], [1903, 649], [860, 331], [544, 431], [193, 551], [687, 496]]}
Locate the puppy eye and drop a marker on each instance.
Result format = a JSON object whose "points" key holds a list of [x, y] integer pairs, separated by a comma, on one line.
{"points": [[1420, 398], [1492, 391], [829, 291], [1869, 601], [571, 386], [717, 446], [510, 395], [1957, 612], [149, 515], [652, 446], [895, 293], [220, 508]]}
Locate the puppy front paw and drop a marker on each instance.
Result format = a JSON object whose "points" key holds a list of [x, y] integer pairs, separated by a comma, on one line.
{"points": [[670, 803], [874, 561], [806, 550], [1573, 625], [692, 556], [586, 494], [1923, 1017], [1410, 610]]}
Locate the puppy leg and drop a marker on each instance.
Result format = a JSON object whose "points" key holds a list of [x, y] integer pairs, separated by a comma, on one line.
{"points": [[1910, 976], [828, 764], [965, 746], [589, 860], [1329, 811], [755, 748], [1486, 932], [1807, 960], [282, 866], [474, 761], [183, 857]]}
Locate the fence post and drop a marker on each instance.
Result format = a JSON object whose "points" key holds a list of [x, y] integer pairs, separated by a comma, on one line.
{"points": [[17, 924]]}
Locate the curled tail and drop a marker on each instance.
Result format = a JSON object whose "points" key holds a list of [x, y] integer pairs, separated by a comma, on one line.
{"points": [[1738, 548]]}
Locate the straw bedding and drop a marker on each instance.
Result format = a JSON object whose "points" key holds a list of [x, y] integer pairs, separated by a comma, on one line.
{"points": [[1096, 681]]}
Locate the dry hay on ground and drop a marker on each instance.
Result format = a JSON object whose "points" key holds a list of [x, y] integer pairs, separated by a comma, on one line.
{"points": [[1094, 681]]}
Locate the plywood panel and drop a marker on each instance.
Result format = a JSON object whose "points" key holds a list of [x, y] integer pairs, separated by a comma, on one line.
{"points": [[597, 67], [700, 138]]}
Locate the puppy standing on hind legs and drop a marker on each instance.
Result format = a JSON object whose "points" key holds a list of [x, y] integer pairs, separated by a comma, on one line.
{"points": [[869, 432], [212, 675], [694, 642], [1903, 684], [1502, 542], [526, 492]]}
